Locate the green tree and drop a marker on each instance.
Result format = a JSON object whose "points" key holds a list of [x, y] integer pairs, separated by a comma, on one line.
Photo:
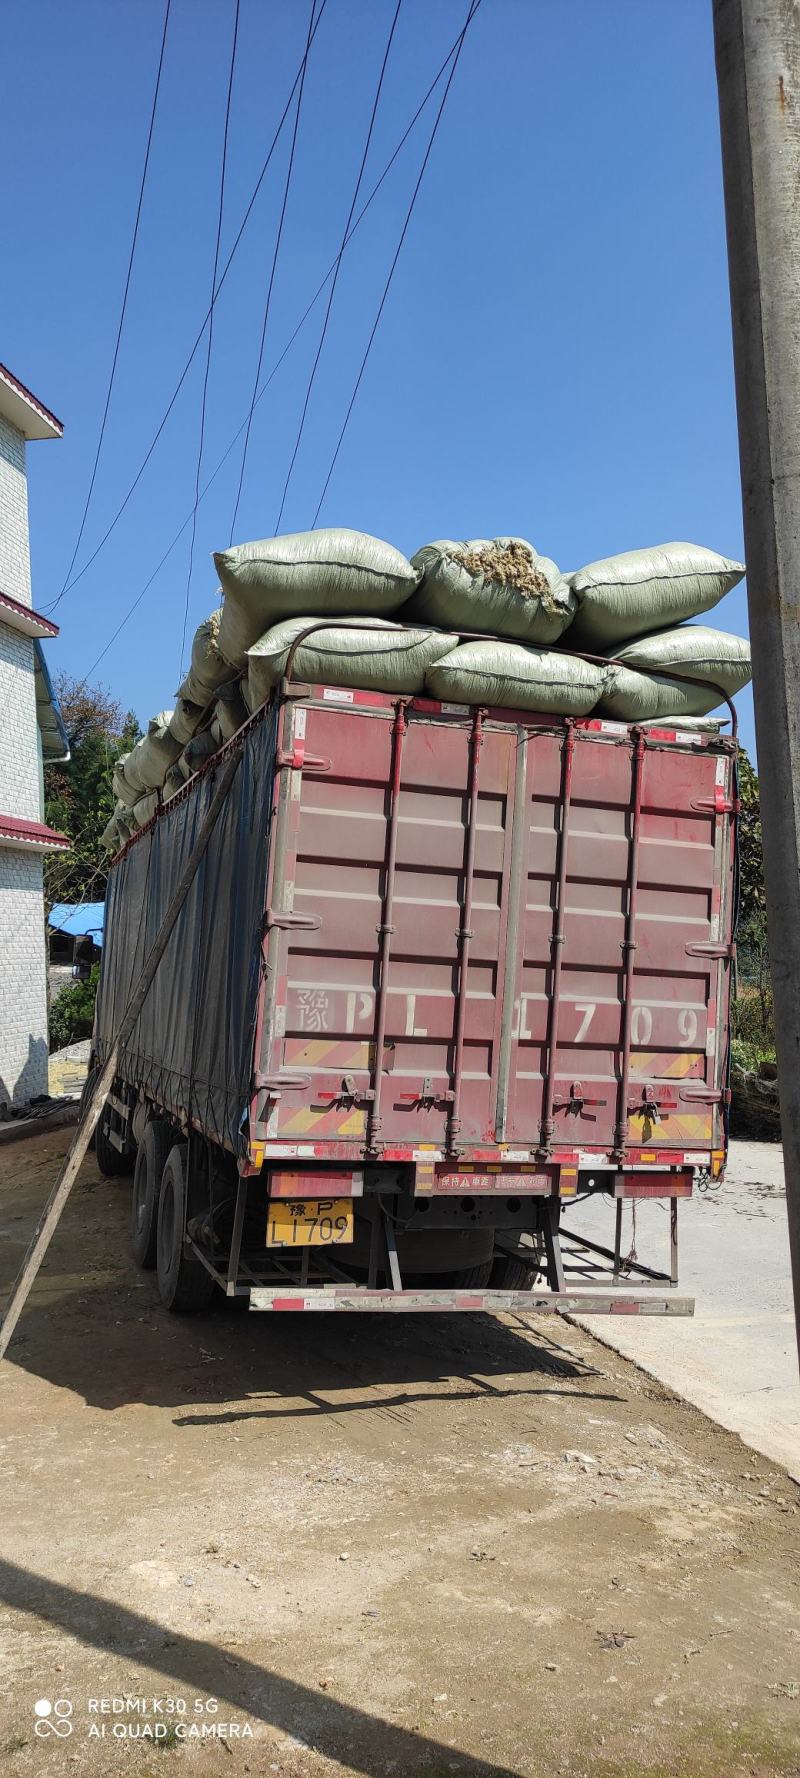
{"points": [[72, 1011], [753, 1013], [753, 904], [79, 799]]}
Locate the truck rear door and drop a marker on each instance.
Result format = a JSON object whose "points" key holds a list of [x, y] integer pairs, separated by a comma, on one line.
{"points": [[647, 877], [530, 923]]}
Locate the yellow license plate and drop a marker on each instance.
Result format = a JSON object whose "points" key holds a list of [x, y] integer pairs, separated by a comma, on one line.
{"points": [[309, 1222]]}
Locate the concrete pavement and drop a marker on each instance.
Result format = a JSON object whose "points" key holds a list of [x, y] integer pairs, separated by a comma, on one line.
{"points": [[736, 1359]]}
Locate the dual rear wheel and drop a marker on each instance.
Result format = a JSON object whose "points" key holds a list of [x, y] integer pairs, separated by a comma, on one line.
{"points": [[159, 1211]]}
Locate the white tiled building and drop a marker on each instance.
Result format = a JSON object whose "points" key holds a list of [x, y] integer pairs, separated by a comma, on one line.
{"points": [[31, 732]]}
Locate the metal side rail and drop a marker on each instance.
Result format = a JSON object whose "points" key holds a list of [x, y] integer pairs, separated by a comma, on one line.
{"points": [[336, 1297]]}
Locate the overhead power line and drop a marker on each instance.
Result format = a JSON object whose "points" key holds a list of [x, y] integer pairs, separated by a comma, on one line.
{"points": [[190, 360], [338, 261], [135, 603], [278, 239], [123, 310], [210, 341], [471, 11]]}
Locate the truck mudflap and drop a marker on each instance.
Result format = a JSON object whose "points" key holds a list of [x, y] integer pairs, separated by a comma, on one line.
{"points": [[333, 1298]]}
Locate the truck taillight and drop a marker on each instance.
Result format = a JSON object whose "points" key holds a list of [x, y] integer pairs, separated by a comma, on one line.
{"points": [[653, 1185]]}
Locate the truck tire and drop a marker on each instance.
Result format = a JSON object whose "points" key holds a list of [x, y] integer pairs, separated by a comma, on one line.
{"points": [[470, 1277], [112, 1164], [151, 1159], [184, 1285], [512, 1274]]}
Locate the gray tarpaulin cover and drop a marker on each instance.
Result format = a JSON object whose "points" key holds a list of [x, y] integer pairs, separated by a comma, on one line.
{"points": [[192, 1047]]}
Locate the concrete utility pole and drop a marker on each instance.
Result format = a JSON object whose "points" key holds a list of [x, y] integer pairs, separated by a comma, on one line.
{"points": [[758, 74]]}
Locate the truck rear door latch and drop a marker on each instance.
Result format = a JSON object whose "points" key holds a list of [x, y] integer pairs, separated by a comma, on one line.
{"points": [[651, 1108], [300, 761], [577, 1100], [287, 922], [348, 1094], [427, 1095], [724, 949], [275, 1084]]}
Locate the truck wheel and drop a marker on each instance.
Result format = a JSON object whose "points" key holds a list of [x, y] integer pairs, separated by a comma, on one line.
{"points": [[512, 1274], [151, 1159], [184, 1285], [470, 1277], [112, 1164]]}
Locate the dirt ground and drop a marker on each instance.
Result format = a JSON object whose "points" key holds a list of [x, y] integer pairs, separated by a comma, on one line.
{"points": [[429, 1545]]}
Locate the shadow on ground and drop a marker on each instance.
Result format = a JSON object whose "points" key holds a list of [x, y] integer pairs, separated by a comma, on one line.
{"points": [[339, 1731], [115, 1345]]}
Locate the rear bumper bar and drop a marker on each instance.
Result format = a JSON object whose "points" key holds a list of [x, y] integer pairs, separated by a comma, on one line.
{"points": [[526, 1302]]}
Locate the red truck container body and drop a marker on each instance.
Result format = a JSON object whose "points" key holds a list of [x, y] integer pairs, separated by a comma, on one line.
{"points": [[442, 968], [545, 956]]}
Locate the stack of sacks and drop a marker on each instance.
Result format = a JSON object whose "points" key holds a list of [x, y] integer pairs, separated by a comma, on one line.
{"points": [[501, 586], [488, 621], [614, 603]]}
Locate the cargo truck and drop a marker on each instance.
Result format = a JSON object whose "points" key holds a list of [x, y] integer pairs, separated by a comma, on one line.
{"points": [[441, 972]]}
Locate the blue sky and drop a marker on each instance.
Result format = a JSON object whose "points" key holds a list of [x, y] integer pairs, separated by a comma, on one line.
{"points": [[554, 360]]}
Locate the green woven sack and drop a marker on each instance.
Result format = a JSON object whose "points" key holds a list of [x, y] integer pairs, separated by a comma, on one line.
{"points": [[497, 584], [515, 678], [184, 719], [643, 688], [207, 669], [123, 791], [203, 747], [110, 836], [230, 709], [175, 779], [149, 761], [146, 807], [645, 589], [380, 656], [317, 571]]}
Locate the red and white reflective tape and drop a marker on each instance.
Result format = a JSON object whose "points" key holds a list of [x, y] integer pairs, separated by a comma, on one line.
{"points": [[328, 1299]]}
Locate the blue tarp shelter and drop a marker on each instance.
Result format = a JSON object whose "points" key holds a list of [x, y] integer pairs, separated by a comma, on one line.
{"points": [[78, 919]]}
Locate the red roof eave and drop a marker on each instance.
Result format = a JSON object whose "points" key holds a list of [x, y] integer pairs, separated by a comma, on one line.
{"points": [[35, 835], [22, 618], [51, 420]]}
